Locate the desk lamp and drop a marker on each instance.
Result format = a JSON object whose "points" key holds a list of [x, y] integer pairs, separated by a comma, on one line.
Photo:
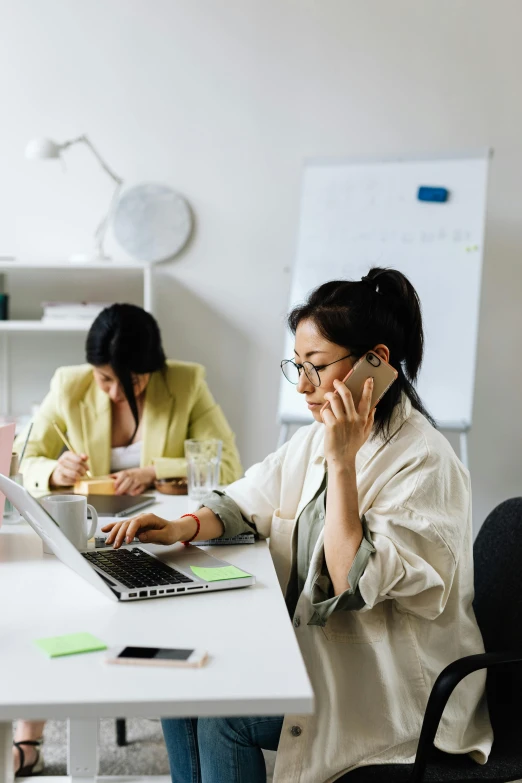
{"points": [[43, 148]]}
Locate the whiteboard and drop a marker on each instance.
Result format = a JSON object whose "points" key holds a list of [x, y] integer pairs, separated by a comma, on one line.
{"points": [[359, 214]]}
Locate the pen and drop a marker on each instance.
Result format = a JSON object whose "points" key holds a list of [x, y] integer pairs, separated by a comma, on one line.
{"points": [[67, 444], [25, 444]]}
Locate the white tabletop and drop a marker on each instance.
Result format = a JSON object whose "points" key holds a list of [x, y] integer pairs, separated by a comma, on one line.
{"points": [[255, 666]]}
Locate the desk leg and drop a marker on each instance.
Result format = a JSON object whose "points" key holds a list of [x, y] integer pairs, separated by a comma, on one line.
{"points": [[82, 761], [6, 753]]}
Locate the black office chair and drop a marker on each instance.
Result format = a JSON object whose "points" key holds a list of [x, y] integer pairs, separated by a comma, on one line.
{"points": [[498, 606]]}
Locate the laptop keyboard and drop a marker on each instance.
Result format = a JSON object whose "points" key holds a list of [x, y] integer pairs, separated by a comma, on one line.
{"points": [[135, 568]]}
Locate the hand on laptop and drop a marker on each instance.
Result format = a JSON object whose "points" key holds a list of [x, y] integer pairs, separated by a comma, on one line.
{"points": [[69, 469], [150, 529]]}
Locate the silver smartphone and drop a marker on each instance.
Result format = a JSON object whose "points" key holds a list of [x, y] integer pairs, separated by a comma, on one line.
{"points": [[369, 366], [156, 656]]}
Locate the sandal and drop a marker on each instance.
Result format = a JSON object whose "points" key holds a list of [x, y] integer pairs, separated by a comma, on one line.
{"points": [[36, 768]]}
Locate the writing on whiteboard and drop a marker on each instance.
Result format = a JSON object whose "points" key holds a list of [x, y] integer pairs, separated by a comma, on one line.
{"points": [[409, 237]]}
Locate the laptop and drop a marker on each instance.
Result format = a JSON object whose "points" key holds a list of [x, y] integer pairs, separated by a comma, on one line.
{"points": [[128, 574]]}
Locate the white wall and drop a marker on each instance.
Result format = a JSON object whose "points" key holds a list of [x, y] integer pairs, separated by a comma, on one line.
{"points": [[223, 99]]}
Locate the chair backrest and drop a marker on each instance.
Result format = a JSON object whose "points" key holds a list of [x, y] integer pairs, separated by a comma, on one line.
{"points": [[498, 602]]}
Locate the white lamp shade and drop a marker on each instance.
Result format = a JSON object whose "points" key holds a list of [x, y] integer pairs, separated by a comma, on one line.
{"points": [[42, 148]]}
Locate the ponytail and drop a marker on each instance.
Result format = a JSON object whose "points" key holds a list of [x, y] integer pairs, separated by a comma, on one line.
{"points": [[384, 308], [398, 293]]}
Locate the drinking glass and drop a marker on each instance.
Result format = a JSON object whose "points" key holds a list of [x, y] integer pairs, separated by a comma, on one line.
{"points": [[203, 464]]}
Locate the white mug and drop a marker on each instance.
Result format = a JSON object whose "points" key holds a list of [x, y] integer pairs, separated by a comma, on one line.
{"points": [[70, 514]]}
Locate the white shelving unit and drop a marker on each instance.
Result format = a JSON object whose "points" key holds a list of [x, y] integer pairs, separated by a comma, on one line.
{"points": [[44, 326], [77, 326]]}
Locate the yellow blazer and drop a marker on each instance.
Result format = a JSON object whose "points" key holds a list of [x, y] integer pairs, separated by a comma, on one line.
{"points": [[178, 405]]}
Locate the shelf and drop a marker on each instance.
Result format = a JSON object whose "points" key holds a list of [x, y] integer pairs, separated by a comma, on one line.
{"points": [[26, 270], [45, 326], [108, 266]]}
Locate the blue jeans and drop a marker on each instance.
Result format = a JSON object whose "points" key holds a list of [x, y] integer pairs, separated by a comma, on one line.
{"points": [[220, 750]]}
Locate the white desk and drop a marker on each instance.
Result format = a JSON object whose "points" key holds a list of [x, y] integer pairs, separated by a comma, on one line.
{"points": [[255, 665]]}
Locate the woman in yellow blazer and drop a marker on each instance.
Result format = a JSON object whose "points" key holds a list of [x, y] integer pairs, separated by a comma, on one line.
{"points": [[128, 411]]}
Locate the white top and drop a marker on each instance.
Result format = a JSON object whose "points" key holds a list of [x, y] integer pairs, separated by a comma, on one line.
{"points": [[126, 457], [254, 668], [372, 670]]}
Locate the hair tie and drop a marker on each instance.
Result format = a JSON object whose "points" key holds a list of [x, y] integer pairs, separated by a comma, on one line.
{"points": [[369, 282]]}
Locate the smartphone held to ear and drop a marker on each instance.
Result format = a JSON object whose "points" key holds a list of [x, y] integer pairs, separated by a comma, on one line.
{"points": [[369, 366]]}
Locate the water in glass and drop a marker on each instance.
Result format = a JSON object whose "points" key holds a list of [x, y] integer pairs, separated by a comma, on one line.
{"points": [[203, 464]]}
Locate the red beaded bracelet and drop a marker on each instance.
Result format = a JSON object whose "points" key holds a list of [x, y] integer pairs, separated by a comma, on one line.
{"points": [[198, 523]]}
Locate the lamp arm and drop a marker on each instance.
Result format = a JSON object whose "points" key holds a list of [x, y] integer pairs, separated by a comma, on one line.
{"points": [[85, 140], [99, 236]]}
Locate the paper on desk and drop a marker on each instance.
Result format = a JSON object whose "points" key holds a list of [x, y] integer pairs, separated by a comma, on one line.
{"points": [[70, 644], [220, 573]]}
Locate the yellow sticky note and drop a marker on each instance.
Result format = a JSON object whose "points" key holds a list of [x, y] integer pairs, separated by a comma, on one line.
{"points": [[220, 573]]}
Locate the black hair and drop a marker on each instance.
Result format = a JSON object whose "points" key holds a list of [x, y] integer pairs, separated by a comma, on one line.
{"points": [[384, 308], [128, 339]]}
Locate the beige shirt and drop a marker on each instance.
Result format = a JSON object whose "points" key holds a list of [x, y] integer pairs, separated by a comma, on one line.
{"points": [[372, 670]]}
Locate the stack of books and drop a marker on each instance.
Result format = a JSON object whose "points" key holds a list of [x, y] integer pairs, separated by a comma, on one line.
{"points": [[72, 311]]}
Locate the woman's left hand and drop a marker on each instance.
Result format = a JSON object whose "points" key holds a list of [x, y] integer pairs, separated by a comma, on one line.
{"points": [[133, 481], [347, 428]]}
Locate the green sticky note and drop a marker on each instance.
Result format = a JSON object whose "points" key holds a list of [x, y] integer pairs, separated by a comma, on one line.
{"points": [[70, 644], [220, 573]]}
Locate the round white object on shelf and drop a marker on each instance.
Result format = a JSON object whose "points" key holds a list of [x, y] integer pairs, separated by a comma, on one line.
{"points": [[152, 222]]}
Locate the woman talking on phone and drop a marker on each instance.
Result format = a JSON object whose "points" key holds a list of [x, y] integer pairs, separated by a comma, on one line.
{"points": [[369, 517]]}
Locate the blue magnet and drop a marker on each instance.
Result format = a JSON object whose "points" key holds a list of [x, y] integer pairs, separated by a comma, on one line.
{"points": [[426, 193]]}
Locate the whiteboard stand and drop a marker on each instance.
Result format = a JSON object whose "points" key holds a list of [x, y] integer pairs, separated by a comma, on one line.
{"points": [[463, 441], [462, 429]]}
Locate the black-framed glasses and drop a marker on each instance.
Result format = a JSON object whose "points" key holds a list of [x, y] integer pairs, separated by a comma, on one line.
{"points": [[292, 371]]}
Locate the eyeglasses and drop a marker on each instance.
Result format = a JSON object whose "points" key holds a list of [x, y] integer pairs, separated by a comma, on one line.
{"points": [[292, 371]]}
